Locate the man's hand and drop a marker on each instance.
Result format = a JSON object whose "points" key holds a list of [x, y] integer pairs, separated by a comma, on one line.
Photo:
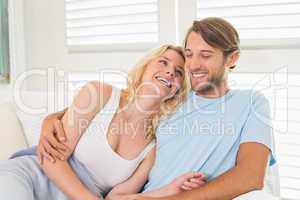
{"points": [[51, 144]]}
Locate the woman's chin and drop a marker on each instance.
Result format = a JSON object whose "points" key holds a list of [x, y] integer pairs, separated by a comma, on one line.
{"points": [[167, 95]]}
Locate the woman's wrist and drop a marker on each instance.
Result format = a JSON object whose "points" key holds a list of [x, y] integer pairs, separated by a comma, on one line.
{"points": [[87, 195]]}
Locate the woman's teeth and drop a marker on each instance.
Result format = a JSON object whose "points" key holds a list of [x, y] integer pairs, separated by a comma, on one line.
{"points": [[164, 81]]}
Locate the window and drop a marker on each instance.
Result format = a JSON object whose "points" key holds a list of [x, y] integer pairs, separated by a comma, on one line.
{"points": [[282, 90], [4, 55], [259, 22], [114, 23]]}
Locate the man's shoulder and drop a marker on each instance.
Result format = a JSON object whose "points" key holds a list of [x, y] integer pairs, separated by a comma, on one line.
{"points": [[248, 95]]}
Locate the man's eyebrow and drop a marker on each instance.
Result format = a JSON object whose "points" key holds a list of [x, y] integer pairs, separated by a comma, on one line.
{"points": [[206, 51], [202, 50]]}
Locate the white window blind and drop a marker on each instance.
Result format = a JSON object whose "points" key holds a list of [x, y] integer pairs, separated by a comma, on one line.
{"points": [[257, 19], [102, 22], [283, 93]]}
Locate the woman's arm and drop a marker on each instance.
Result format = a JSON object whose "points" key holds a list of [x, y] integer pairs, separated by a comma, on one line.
{"points": [[67, 181], [128, 190], [90, 100], [135, 183]]}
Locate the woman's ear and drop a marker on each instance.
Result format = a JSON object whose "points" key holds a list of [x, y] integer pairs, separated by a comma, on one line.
{"points": [[232, 59]]}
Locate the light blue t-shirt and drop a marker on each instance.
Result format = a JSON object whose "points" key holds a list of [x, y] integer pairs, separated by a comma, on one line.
{"points": [[205, 135]]}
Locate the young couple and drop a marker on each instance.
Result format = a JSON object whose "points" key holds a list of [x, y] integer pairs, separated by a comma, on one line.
{"points": [[155, 136]]}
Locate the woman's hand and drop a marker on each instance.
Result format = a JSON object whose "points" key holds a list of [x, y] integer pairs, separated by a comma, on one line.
{"points": [[123, 197], [186, 182], [51, 144]]}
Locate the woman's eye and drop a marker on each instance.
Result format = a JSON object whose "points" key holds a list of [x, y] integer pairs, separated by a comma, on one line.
{"points": [[163, 62], [179, 72]]}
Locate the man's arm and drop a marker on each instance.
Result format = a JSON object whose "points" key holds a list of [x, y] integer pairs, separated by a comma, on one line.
{"points": [[52, 138], [58, 115], [246, 176]]}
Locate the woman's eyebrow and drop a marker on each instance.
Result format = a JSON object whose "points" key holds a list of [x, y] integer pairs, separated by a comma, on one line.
{"points": [[166, 58], [180, 67]]}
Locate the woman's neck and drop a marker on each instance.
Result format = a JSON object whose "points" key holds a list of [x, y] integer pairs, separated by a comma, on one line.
{"points": [[141, 108]]}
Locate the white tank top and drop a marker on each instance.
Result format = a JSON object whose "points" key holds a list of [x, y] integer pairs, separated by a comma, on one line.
{"points": [[106, 167]]}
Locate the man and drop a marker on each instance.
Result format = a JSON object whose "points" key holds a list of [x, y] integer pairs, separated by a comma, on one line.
{"points": [[223, 133]]}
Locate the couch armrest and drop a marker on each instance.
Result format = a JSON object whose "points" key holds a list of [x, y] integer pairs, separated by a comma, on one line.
{"points": [[12, 137]]}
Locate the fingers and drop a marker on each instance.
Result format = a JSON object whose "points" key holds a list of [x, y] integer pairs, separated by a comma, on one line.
{"points": [[60, 131], [196, 181], [190, 184], [183, 187], [54, 143], [54, 152], [43, 154], [188, 175], [199, 175]]}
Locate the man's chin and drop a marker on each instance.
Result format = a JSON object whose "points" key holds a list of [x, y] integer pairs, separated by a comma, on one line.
{"points": [[203, 87]]}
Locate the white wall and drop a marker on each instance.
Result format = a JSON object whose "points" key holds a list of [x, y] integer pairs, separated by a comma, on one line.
{"points": [[45, 47]]}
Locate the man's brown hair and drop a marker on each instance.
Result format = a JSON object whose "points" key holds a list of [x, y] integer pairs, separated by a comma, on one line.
{"points": [[218, 33]]}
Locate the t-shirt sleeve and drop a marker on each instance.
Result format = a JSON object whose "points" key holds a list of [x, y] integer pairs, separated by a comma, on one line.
{"points": [[258, 126]]}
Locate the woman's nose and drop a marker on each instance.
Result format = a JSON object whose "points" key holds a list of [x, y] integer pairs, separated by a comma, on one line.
{"points": [[170, 72]]}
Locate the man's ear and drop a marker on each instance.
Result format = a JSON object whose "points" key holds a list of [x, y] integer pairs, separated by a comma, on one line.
{"points": [[232, 59]]}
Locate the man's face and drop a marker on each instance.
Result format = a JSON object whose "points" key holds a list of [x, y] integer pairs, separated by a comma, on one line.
{"points": [[205, 64]]}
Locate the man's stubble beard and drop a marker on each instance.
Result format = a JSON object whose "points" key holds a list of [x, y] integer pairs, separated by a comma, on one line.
{"points": [[213, 83]]}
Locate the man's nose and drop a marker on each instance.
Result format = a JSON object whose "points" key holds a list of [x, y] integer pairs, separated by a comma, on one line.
{"points": [[194, 63]]}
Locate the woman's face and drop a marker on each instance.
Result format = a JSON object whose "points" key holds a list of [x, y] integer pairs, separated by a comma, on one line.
{"points": [[163, 76]]}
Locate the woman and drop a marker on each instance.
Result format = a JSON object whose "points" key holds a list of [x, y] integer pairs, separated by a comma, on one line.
{"points": [[111, 133]]}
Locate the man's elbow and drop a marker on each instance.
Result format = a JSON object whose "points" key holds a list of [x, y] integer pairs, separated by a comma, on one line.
{"points": [[256, 182], [259, 183]]}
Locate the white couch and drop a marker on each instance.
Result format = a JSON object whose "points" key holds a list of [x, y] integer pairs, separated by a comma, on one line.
{"points": [[13, 137], [21, 118]]}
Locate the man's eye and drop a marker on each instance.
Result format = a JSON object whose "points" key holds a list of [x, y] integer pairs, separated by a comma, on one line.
{"points": [[188, 55], [205, 56]]}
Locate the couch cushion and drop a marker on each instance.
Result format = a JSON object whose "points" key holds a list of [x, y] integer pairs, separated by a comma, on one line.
{"points": [[33, 107], [12, 137]]}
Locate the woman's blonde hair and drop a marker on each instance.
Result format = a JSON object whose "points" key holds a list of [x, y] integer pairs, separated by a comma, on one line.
{"points": [[135, 79]]}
